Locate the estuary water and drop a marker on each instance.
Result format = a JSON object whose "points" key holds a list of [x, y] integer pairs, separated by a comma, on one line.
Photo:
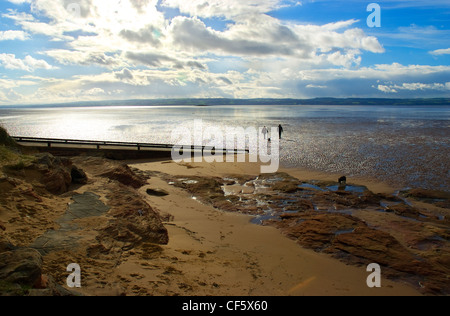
{"points": [[402, 145]]}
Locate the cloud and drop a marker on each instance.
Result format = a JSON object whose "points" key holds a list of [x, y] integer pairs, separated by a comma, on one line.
{"points": [[439, 52], [193, 35], [30, 64], [417, 86], [221, 8], [386, 89], [205, 48], [14, 35], [85, 58], [266, 36], [313, 86], [148, 35], [149, 59], [124, 74]]}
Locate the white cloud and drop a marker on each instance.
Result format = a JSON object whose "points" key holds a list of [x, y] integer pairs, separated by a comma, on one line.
{"points": [[386, 89], [86, 58], [20, 1], [417, 86], [13, 35], [313, 86], [128, 47], [439, 52], [30, 64], [221, 8]]}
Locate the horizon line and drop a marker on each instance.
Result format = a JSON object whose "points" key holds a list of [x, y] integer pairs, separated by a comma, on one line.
{"points": [[240, 101]]}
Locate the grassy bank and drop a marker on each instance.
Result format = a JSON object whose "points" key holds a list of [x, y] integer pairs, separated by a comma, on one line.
{"points": [[11, 158]]}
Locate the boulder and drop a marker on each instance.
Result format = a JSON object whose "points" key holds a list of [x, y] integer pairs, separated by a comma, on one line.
{"points": [[157, 192], [78, 175], [57, 180], [56, 172], [47, 286], [126, 176], [22, 266], [5, 245], [45, 159]]}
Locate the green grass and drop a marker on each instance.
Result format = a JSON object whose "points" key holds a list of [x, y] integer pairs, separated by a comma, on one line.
{"points": [[5, 139], [10, 157]]}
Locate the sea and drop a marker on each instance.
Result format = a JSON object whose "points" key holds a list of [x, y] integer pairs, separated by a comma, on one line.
{"points": [[406, 146]]}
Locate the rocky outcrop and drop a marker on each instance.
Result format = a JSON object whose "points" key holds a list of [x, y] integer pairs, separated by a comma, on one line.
{"points": [[349, 222], [78, 176], [132, 223], [126, 176], [22, 266], [438, 198], [58, 174], [97, 226], [21, 274], [57, 180]]}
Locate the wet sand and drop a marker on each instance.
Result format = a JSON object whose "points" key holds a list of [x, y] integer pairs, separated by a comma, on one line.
{"points": [[210, 252], [403, 153], [217, 253]]}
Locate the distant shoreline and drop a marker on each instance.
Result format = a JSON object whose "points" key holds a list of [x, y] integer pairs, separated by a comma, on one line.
{"points": [[231, 102]]}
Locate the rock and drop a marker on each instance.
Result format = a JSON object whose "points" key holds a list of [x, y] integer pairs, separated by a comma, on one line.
{"points": [[47, 286], [22, 266], [56, 172], [411, 243], [78, 176], [405, 210], [133, 222], [32, 194], [304, 205], [316, 231], [134, 230], [7, 184], [57, 180], [157, 192], [126, 176], [428, 194], [5, 245], [42, 282], [2, 227], [287, 186], [45, 159], [439, 198]]}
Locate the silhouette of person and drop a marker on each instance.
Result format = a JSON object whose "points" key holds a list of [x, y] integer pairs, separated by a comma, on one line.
{"points": [[280, 130], [265, 131]]}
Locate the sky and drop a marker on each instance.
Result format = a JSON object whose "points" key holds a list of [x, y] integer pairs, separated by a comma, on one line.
{"points": [[57, 51]]}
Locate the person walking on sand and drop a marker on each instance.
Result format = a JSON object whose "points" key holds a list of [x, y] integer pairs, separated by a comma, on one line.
{"points": [[280, 130], [265, 131]]}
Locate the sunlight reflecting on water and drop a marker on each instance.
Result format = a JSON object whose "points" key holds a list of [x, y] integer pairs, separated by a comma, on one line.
{"points": [[409, 144]]}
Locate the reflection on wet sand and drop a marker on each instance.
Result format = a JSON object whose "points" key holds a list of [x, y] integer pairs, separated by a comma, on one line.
{"points": [[405, 232]]}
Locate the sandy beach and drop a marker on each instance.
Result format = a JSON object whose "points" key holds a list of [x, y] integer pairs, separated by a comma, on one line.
{"points": [[219, 253], [193, 248]]}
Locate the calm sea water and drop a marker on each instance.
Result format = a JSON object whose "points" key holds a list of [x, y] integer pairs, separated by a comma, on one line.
{"points": [[404, 145]]}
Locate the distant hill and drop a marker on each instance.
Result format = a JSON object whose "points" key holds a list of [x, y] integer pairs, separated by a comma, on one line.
{"points": [[224, 101]]}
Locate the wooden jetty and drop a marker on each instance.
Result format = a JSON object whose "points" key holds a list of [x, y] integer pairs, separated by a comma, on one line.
{"points": [[111, 149]]}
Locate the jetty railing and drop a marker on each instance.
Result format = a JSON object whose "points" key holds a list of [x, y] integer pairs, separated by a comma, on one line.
{"points": [[51, 142]]}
